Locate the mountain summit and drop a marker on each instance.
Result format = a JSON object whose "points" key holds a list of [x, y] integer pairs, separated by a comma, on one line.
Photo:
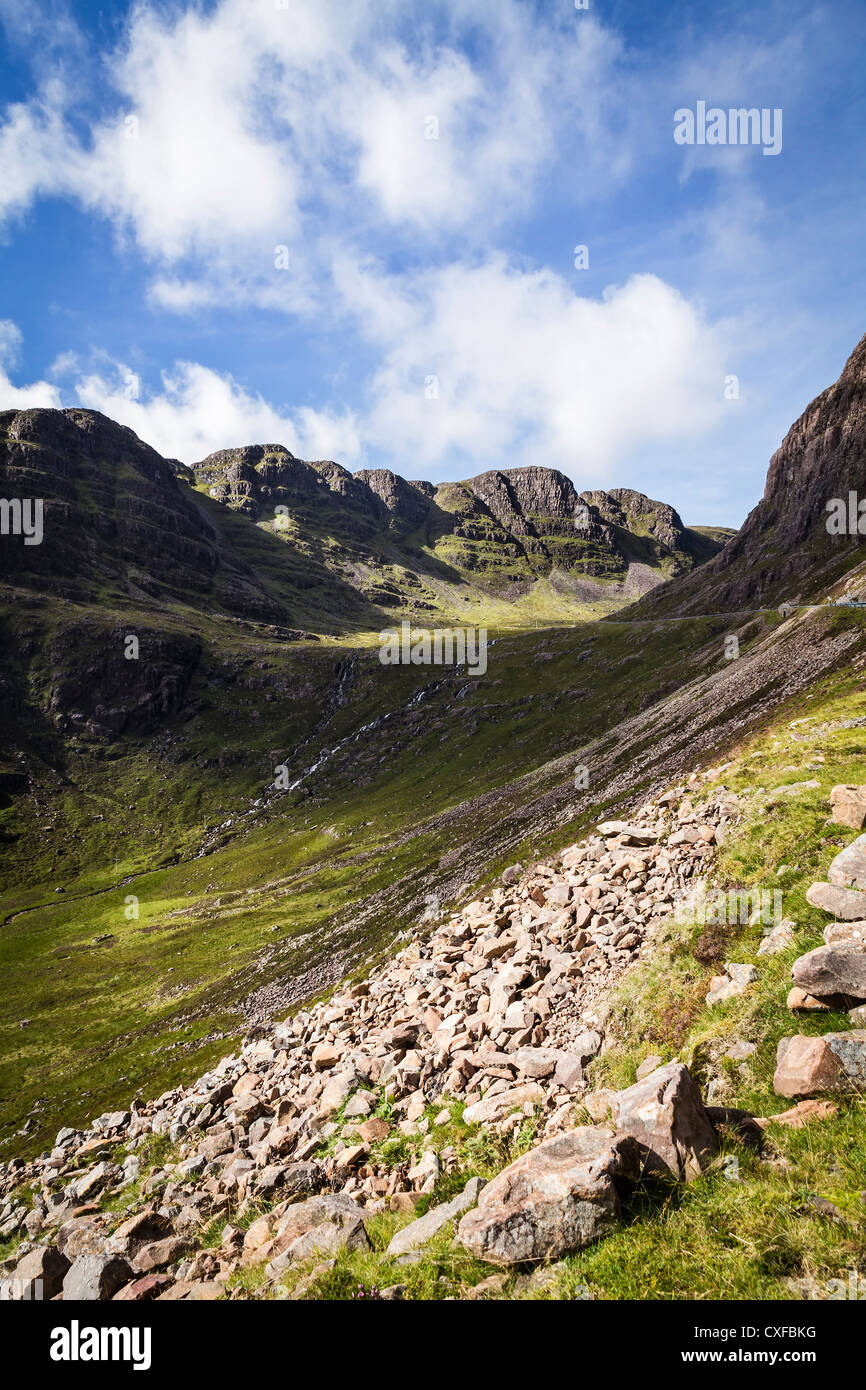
{"points": [[265, 536], [409, 542]]}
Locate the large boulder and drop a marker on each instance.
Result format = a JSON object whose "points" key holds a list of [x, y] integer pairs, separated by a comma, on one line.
{"points": [[92, 1278], [848, 804], [319, 1226], [836, 969], [846, 903], [812, 1066], [40, 1274], [554, 1199], [664, 1113], [848, 869]]}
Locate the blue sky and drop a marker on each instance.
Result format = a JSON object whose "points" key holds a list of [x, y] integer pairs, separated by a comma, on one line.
{"points": [[350, 226]]}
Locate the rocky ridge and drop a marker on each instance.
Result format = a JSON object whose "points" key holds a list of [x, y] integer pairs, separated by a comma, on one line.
{"points": [[506, 525]]}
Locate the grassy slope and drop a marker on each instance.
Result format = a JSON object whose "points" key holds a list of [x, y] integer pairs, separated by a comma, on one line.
{"points": [[724, 1236], [283, 886], [745, 1228]]}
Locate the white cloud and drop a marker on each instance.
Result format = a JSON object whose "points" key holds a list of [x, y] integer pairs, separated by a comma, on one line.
{"points": [[199, 410], [526, 371], [38, 393], [530, 372], [232, 130], [10, 342]]}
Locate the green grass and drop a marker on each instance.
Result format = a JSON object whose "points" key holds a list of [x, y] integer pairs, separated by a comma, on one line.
{"points": [[342, 868]]}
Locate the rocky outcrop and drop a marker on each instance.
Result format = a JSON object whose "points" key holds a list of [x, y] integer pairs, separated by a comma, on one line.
{"points": [[842, 902], [553, 1200], [120, 522], [665, 1116], [811, 1066], [848, 869], [848, 806], [838, 969], [505, 525]]}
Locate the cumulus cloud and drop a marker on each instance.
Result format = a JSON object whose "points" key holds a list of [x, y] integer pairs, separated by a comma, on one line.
{"points": [[198, 410], [480, 366], [490, 364], [38, 393], [225, 131], [230, 137]]}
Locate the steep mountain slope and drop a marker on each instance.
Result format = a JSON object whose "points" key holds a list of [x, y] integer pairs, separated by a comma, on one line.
{"points": [[119, 527], [408, 543], [785, 550], [260, 535]]}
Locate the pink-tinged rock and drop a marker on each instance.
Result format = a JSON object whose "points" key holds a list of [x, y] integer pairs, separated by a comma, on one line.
{"points": [[801, 1001], [491, 1108], [837, 932], [848, 803], [813, 1066], [142, 1290], [842, 902], [801, 1114], [192, 1291], [778, 938], [836, 969], [556, 1198], [324, 1224], [664, 1113], [848, 869], [325, 1056], [160, 1253]]}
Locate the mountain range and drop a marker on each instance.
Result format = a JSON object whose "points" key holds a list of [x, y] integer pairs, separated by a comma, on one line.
{"points": [[353, 548]]}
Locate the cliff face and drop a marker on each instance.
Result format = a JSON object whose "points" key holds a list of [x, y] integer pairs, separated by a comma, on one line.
{"points": [[784, 550], [111, 505], [501, 527]]}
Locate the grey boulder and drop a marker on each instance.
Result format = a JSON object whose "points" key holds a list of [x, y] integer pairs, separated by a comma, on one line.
{"points": [[836, 969], [556, 1198], [92, 1278]]}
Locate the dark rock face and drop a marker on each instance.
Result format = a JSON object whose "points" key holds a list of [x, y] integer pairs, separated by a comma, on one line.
{"points": [[512, 523], [98, 691], [783, 550], [400, 503], [112, 506], [121, 521], [634, 511]]}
